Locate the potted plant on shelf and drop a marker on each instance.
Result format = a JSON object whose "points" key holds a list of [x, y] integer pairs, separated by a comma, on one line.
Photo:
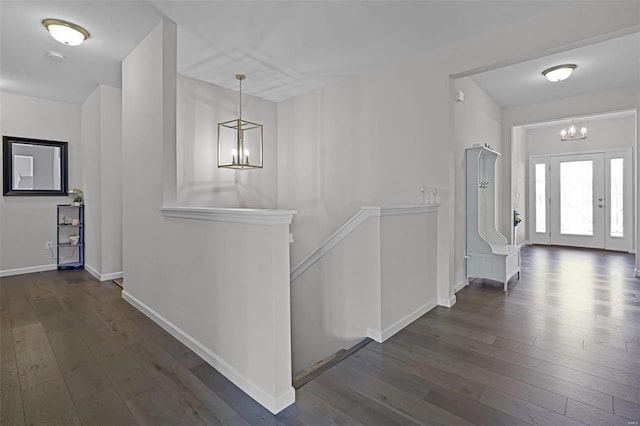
{"points": [[78, 199]]}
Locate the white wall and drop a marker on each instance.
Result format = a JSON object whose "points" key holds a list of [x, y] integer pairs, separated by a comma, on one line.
{"points": [[91, 186], [28, 222], [201, 106], [603, 133], [102, 187], [538, 36], [376, 138], [407, 269], [518, 183], [143, 139], [366, 141], [111, 191], [378, 277], [477, 120], [337, 299], [599, 134], [222, 288]]}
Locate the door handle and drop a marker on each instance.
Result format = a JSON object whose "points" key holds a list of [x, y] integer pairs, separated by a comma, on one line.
{"points": [[599, 199], [601, 205]]}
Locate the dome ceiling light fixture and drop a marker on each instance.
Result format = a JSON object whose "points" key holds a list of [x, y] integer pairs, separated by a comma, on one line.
{"points": [[65, 32], [559, 72]]}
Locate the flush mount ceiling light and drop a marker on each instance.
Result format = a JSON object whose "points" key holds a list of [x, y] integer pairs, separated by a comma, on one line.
{"points": [[571, 133], [66, 32], [240, 141], [559, 72]]}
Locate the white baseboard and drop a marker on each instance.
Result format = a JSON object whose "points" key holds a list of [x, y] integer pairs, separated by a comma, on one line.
{"points": [[103, 277], [112, 276], [374, 335], [382, 335], [462, 284], [447, 303], [28, 270], [90, 269], [273, 403]]}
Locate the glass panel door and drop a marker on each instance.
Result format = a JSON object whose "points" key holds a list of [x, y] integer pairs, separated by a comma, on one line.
{"points": [[577, 200]]}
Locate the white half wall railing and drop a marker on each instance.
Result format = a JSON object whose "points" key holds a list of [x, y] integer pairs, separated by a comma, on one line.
{"points": [[373, 277], [220, 284]]}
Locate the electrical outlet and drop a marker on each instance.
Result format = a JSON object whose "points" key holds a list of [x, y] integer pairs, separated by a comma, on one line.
{"points": [[48, 245]]}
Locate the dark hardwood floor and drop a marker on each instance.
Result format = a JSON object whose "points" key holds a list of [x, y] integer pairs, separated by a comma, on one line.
{"points": [[561, 348]]}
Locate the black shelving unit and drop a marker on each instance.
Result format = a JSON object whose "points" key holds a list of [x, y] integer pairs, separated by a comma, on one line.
{"points": [[70, 239]]}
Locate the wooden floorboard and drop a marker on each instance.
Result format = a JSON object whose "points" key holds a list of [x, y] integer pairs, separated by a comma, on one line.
{"points": [[562, 347], [11, 410], [630, 378], [82, 373], [49, 403], [105, 407], [36, 361]]}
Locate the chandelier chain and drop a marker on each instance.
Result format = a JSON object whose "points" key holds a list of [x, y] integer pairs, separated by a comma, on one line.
{"points": [[240, 100]]}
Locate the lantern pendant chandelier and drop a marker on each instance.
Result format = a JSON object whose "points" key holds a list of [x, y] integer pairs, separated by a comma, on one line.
{"points": [[571, 133], [239, 141]]}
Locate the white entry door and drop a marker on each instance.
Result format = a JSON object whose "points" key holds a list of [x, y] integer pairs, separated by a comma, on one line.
{"points": [[577, 205], [582, 200]]}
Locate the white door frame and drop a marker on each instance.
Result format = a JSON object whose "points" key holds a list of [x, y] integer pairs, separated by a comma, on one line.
{"points": [[611, 243]]}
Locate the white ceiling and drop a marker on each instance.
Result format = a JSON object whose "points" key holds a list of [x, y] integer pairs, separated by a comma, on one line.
{"points": [[285, 48], [116, 27], [289, 48], [606, 65]]}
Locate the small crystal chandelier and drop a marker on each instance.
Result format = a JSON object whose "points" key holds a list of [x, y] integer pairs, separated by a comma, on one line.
{"points": [[240, 141], [571, 133]]}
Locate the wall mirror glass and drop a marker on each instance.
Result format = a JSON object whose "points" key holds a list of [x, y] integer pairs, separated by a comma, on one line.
{"points": [[34, 166]]}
